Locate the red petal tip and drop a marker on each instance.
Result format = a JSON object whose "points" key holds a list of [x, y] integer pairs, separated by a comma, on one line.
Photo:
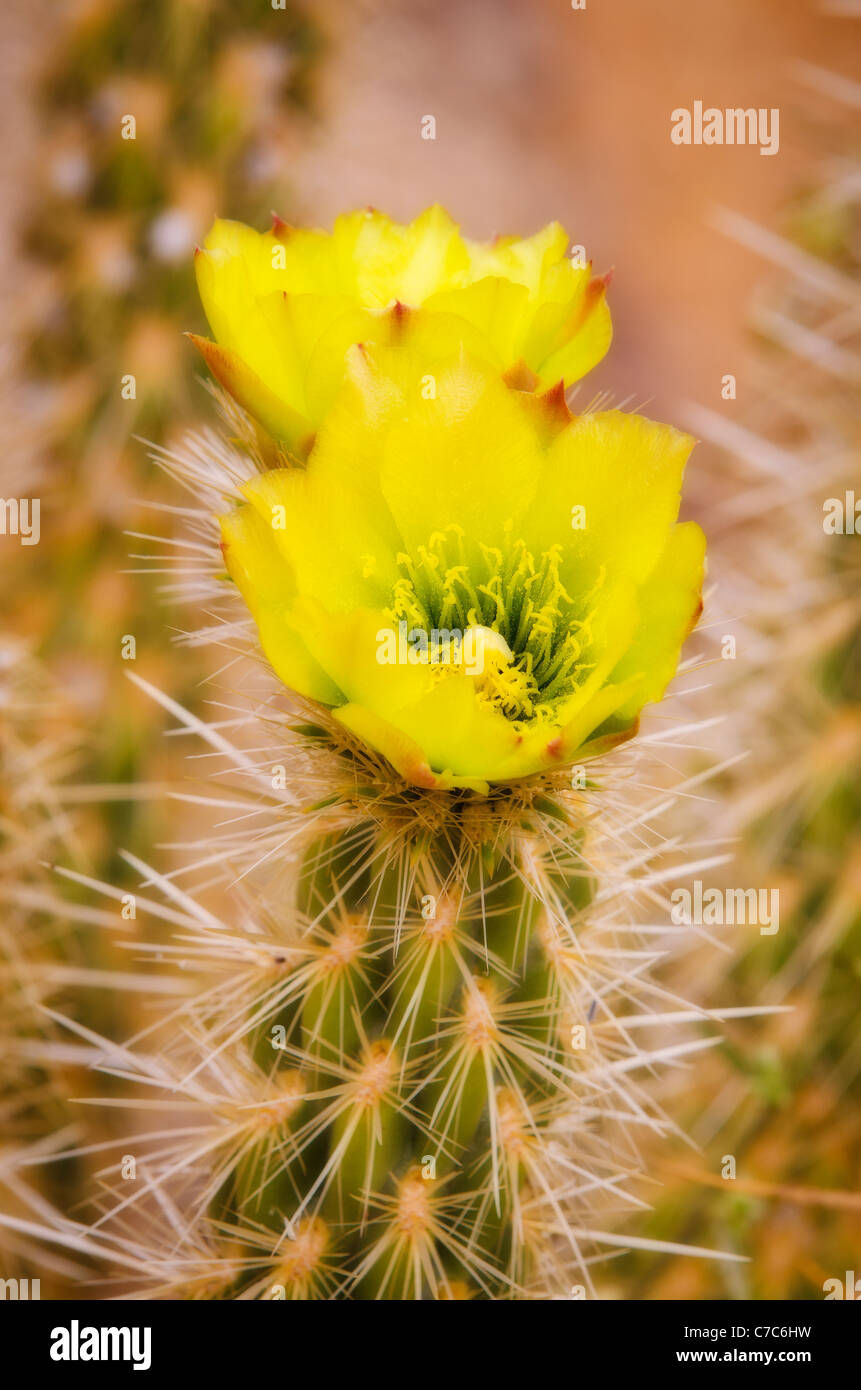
{"points": [[555, 403]]}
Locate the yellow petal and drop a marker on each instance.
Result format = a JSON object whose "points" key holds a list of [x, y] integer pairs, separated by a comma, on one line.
{"points": [[405, 754], [266, 583], [289, 303], [286, 426], [580, 336], [522, 259], [670, 605], [625, 473], [468, 459]]}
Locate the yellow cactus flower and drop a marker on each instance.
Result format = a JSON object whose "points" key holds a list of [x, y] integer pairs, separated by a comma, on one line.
{"points": [[285, 305], [479, 585]]}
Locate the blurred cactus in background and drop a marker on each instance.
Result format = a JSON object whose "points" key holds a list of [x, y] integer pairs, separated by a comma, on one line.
{"points": [[38, 755], [215, 94], [220, 91], [154, 118], [783, 488]]}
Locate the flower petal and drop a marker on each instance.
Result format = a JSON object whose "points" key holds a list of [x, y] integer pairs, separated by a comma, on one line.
{"points": [[625, 472], [285, 425], [289, 303], [670, 605], [467, 458], [266, 583]]}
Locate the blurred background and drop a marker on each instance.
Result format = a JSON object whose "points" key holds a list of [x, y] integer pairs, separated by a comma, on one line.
{"points": [[726, 263]]}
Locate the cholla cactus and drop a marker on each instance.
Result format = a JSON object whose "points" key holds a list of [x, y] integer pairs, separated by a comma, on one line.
{"points": [[406, 1063], [37, 751]]}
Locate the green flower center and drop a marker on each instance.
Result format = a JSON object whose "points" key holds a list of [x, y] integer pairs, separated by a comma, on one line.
{"points": [[451, 586]]}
